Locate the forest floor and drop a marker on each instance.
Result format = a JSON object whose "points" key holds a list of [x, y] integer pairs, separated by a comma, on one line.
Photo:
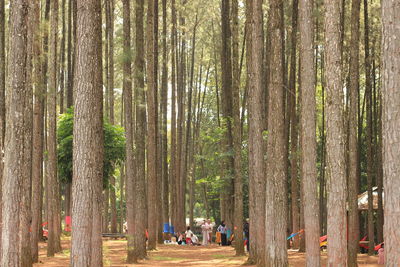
{"points": [[173, 255]]}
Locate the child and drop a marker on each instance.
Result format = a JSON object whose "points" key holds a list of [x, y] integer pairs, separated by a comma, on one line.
{"points": [[381, 254], [189, 235]]}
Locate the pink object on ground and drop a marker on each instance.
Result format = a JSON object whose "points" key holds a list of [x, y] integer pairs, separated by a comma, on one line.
{"points": [[381, 255]]}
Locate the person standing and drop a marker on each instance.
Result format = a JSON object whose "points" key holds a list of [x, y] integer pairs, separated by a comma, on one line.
{"points": [[209, 231], [205, 231], [222, 230]]}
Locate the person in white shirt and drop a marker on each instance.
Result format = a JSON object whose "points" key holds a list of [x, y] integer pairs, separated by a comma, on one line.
{"points": [[189, 235]]}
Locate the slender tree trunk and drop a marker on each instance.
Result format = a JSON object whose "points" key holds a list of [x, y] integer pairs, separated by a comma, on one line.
{"points": [[292, 117], [140, 183], [14, 151], [173, 151], [164, 116], [2, 92], [151, 130], [353, 220], [256, 162], [369, 133], [237, 133], [129, 162], [37, 139], [390, 126], [106, 208], [336, 203], [88, 139], [62, 58], [276, 199], [51, 175], [226, 97], [111, 62], [308, 134]]}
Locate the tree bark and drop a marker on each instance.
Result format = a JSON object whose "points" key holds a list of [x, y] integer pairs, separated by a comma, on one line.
{"points": [[164, 116], [53, 243], [88, 140], [140, 137], [62, 58], [37, 139], [237, 133], [369, 132], [276, 198], [14, 146], [308, 134], [336, 203], [256, 153], [353, 220], [292, 117], [173, 150], [129, 162], [390, 126], [151, 129]]}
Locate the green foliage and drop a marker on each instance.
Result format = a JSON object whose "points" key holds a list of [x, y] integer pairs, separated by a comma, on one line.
{"points": [[114, 147]]}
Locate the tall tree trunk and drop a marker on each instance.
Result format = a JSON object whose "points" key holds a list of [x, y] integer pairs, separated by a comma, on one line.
{"points": [[129, 162], [353, 220], [62, 58], [276, 199], [369, 133], [14, 145], [336, 203], [164, 116], [51, 175], [2, 92], [390, 128], [308, 133], [237, 133], [181, 87], [69, 93], [226, 97], [140, 143], [254, 43], [292, 117], [189, 136], [88, 139], [151, 129], [37, 139], [173, 152], [111, 61]]}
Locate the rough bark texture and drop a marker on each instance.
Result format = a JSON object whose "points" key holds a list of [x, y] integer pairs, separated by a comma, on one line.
{"points": [[14, 166], [276, 198], [236, 132], [369, 131], [308, 133], [292, 117], [354, 231], [173, 150], [390, 128], [226, 101], [140, 182], [51, 170], [151, 129], [88, 139], [37, 140], [256, 152], [336, 168], [164, 112], [129, 162], [2, 91]]}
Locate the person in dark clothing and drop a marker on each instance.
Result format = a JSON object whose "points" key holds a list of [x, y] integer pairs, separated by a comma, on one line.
{"points": [[222, 229], [246, 230]]}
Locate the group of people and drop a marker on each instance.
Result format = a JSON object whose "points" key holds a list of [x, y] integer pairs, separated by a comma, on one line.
{"points": [[223, 235]]}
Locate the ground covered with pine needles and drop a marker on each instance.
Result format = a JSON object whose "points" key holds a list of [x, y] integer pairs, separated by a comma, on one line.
{"points": [[173, 255]]}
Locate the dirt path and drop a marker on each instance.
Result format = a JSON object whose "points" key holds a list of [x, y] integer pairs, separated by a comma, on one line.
{"points": [[173, 255]]}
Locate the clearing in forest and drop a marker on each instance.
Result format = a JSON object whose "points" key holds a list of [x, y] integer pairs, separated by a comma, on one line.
{"points": [[174, 255]]}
